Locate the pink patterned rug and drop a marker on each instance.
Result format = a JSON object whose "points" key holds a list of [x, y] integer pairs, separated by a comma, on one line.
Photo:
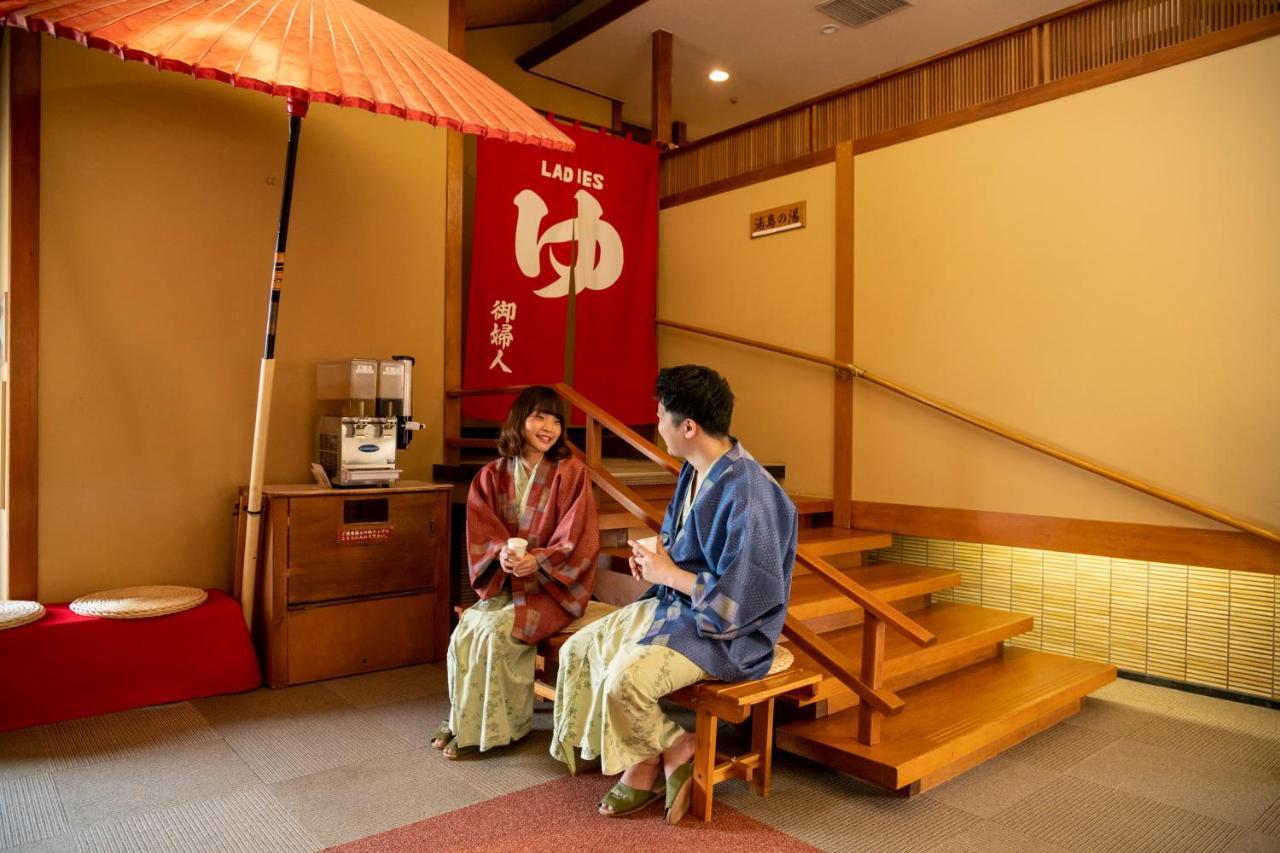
{"points": [[559, 816]]}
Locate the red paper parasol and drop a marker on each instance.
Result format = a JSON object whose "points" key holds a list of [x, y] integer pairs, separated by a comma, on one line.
{"points": [[327, 51]]}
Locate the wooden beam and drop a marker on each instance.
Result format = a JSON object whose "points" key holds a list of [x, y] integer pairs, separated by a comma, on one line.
{"points": [[661, 99], [455, 153], [576, 32], [842, 477], [22, 488], [1194, 546]]}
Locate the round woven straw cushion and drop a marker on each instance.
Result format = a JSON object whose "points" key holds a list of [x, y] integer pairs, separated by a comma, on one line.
{"points": [[139, 602], [782, 660], [15, 613], [595, 610]]}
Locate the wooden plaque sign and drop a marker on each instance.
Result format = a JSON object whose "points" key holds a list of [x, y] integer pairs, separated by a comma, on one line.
{"points": [[787, 217]]}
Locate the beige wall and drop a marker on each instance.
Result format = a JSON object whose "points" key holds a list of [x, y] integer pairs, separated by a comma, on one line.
{"points": [[1100, 271], [159, 200], [494, 50], [779, 289]]}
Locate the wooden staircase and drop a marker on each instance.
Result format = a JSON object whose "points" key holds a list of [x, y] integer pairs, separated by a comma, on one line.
{"points": [[966, 696], [912, 691]]}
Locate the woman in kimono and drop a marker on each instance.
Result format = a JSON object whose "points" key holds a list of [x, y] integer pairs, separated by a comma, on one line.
{"points": [[535, 491], [720, 575]]}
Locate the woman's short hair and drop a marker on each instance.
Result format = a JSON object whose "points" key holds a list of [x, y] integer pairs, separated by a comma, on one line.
{"points": [[535, 398], [698, 393]]}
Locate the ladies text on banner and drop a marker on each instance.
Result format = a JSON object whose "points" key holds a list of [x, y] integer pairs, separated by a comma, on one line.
{"points": [[543, 222]]}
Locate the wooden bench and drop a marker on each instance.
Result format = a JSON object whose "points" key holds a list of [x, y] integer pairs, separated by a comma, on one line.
{"points": [[712, 701]]}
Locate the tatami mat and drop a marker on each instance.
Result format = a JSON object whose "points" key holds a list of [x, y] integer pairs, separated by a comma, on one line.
{"points": [[1081, 815], [30, 810], [1141, 768], [243, 822], [79, 743]]}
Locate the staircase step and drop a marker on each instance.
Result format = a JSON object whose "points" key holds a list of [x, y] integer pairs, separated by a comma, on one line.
{"points": [[966, 634], [954, 722], [822, 541], [813, 598]]}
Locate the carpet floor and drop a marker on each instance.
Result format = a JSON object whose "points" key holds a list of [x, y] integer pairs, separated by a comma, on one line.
{"points": [[551, 817]]}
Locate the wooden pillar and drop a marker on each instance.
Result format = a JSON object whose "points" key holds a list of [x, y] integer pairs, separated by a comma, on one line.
{"points": [[22, 488], [454, 154], [842, 479], [616, 116], [661, 102]]}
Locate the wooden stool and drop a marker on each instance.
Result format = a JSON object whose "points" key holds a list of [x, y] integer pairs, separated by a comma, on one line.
{"points": [[734, 702]]}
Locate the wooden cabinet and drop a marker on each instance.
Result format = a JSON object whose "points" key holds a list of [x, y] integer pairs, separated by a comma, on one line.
{"points": [[350, 580]]}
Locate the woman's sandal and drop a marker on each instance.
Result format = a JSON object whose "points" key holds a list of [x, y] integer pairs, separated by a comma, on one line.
{"points": [[679, 788], [623, 799], [453, 752], [441, 738]]}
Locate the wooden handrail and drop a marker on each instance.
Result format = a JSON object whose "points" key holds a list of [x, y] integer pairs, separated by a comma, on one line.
{"points": [[618, 428], [996, 429], [812, 644], [866, 599]]}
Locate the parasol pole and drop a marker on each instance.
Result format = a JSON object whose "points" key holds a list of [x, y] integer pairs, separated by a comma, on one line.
{"points": [[266, 375]]}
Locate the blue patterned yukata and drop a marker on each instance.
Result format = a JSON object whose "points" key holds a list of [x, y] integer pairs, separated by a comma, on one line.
{"points": [[737, 535]]}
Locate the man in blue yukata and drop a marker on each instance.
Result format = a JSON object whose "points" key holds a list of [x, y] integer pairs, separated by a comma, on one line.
{"points": [[720, 575]]}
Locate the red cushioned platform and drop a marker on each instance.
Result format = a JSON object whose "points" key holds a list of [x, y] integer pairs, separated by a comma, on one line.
{"points": [[66, 666]]}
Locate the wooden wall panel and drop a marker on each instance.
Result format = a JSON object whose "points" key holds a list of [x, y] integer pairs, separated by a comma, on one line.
{"points": [[1204, 626], [983, 75]]}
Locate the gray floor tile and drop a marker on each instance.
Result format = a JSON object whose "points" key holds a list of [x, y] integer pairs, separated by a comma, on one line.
{"points": [[23, 753], [1081, 815], [993, 786], [988, 837], [391, 685], [1060, 747], [31, 810], [298, 746], [80, 743], [1252, 842], [244, 822], [264, 707], [149, 782], [1113, 716], [373, 796], [1230, 792], [413, 721], [510, 768], [1268, 823], [1235, 739], [57, 844]]}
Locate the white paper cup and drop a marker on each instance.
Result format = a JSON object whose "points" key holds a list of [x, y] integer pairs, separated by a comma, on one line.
{"points": [[649, 543], [518, 546]]}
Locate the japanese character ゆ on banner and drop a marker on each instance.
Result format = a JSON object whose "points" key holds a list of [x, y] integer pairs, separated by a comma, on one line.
{"points": [[564, 273]]}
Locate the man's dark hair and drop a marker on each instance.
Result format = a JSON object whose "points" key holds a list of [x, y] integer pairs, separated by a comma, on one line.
{"points": [[699, 394]]}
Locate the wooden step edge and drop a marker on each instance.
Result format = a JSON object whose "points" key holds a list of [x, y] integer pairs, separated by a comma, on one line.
{"points": [[913, 665], [1009, 726], [929, 581], [826, 541]]}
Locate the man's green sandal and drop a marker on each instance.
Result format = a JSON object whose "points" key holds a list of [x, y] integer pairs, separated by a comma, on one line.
{"points": [[679, 793], [623, 799]]}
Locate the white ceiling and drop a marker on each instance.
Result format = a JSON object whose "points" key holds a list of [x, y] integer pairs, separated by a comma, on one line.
{"points": [[772, 49]]}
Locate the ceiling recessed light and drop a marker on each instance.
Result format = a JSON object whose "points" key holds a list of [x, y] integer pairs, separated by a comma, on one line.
{"points": [[718, 76], [829, 30]]}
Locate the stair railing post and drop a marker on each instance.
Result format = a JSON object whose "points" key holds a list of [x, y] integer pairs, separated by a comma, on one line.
{"points": [[595, 438], [873, 675]]}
